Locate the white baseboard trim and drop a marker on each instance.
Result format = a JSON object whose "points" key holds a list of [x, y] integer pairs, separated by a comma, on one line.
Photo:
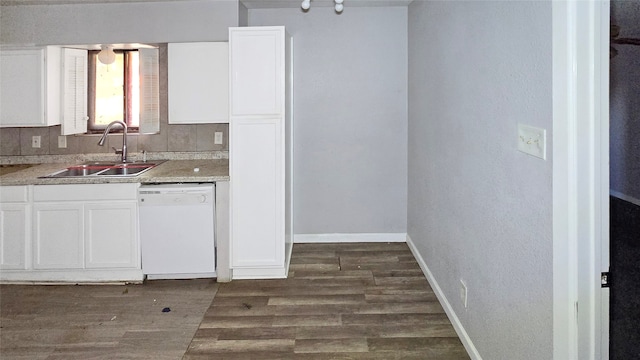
{"points": [[349, 238], [624, 197], [457, 325]]}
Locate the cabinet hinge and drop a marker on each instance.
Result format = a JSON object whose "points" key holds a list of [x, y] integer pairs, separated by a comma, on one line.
{"points": [[605, 279]]}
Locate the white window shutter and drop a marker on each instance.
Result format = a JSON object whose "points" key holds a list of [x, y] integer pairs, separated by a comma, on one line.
{"points": [[74, 90], [149, 91]]}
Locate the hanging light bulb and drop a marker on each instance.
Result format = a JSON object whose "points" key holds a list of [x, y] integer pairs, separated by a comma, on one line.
{"points": [[339, 6], [306, 4], [106, 55]]}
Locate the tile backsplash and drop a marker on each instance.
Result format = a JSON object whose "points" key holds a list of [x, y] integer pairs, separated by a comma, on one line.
{"points": [[179, 138], [171, 138]]}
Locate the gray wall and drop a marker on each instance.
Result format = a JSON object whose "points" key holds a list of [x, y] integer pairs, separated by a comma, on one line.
{"points": [[350, 90], [479, 210], [158, 22], [625, 103]]}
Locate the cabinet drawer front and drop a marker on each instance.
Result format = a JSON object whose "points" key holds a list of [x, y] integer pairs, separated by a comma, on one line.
{"points": [[91, 192], [10, 194]]}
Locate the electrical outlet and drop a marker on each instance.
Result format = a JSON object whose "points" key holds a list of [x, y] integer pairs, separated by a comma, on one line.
{"points": [[463, 293], [62, 141], [217, 139], [35, 141]]}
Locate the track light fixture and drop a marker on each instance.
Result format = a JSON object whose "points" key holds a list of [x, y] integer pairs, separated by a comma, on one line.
{"points": [[306, 4]]}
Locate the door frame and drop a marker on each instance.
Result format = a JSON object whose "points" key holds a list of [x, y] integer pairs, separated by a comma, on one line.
{"points": [[580, 178]]}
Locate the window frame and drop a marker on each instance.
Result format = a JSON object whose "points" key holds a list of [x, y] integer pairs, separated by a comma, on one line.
{"points": [[92, 128]]}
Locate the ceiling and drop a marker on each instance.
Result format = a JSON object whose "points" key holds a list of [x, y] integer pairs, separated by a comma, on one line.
{"points": [[250, 4]]}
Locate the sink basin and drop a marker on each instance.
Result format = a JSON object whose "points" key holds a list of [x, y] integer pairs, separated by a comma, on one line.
{"points": [[80, 170], [99, 169], [126, 169]]}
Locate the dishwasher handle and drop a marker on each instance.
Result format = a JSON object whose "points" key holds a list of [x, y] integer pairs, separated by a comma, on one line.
{"points": [[176, 199]]}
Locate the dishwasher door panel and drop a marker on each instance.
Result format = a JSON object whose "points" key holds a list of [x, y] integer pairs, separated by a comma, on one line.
{"points": [[177, 235]]}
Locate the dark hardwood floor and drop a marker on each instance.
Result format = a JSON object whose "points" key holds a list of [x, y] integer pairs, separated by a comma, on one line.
{"points": [[101, 321], [341, 301]]}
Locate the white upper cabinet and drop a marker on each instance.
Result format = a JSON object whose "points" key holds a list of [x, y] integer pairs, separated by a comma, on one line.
{"points": [[198, 82], [30, 86], [44, 86], [257, 71]]}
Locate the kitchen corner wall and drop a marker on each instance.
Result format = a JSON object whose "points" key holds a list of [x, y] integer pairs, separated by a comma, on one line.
{"points": [[17, 141], [350, 117], [109, 23]]}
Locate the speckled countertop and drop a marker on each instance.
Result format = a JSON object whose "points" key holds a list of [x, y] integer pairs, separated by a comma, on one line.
{"points": [[170, 171]]}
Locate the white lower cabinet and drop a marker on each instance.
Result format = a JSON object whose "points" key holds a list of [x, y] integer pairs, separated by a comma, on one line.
{"points": [[15, 214], [110, 235], [58, 240], [79, 233], [258, 196]]}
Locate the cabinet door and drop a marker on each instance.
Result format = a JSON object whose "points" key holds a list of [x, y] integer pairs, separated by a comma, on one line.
{"points": [[74, 91], [30, 86], [22, 85], [257, 193], [110, 235], [257, 71], [198, 82], [58, 232], [13, 235]]}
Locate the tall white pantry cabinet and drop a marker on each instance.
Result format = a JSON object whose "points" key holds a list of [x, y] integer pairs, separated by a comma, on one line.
{"points": [[260, 151]]}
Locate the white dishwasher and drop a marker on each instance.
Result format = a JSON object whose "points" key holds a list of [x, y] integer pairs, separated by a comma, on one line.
{"points": [[177, 230]]}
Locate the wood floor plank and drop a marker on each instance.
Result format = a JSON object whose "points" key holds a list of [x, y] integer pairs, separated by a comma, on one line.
{"points": [[398, 319], [307, 320], [316, 299], [337, 275], [275, 332], [236, 322], [291, 291], [315, 309], [413, 344], [349, 345], [427, 307], [226, 346]]}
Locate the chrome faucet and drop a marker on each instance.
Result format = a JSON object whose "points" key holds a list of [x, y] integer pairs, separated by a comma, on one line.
{"points": [[123, 152]]}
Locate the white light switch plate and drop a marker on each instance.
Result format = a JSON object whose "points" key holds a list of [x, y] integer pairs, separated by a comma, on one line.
{"points": [[62, 141], [532, 141]]}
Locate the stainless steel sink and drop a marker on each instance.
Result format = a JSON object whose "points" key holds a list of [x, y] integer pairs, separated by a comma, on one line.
{"points": [[80, 170], [126, 170], [100, 169]]}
